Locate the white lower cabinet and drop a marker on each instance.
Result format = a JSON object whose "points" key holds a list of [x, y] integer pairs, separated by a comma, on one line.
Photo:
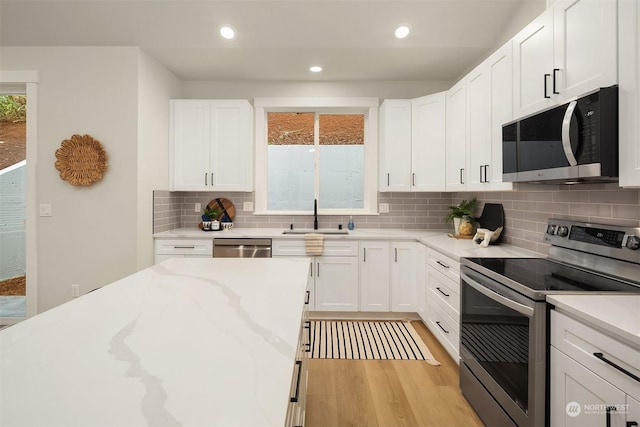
{"points": [[336, 283], [182, 248], [403, 276], [298, 393], [388, 276], [333, 277], [374, 276], [443, 300], [421, 281], [586, 389]]}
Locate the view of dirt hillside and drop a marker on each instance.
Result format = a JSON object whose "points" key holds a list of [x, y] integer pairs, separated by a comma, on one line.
{"points": [[13, 149]]}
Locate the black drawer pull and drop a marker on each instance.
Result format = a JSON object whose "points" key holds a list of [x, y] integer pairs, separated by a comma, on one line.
{"points": [[631, 423], [184, 247], [442, 264], [555, 77], [307, 297], [440, 290], [445, 331], [545, 85], [296, 396], [307, 326], [619, 368]]}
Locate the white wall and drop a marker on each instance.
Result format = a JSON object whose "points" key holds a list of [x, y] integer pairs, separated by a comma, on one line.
{"points": [[90, 238], [254, 89], [156, 86]]}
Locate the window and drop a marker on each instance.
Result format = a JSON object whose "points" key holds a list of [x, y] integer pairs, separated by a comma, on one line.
{"points": [[316, 150]]}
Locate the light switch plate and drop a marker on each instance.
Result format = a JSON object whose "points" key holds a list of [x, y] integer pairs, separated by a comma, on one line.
{"points": [[247, 206], [383, 207], [46, 210], [197, 207]]}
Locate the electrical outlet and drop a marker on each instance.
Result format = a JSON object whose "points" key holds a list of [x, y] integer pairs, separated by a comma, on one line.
{"points": [[247, 206], [197, 208], [383, 207], [75, 291], [46, 210]]}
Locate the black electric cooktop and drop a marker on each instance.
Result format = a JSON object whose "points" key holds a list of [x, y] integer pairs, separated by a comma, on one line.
{"points": [[541, 274]]}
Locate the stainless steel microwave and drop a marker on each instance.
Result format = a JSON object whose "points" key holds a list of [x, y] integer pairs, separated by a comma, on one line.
{"points": [[575, 142]]}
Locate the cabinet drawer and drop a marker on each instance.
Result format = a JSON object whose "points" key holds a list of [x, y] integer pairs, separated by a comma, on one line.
{"points": [[580, 342], [444, 291], [445, 329], [184, 247], [444, 264], [288, 247]]}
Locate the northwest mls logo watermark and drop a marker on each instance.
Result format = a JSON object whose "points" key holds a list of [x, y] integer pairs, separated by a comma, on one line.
{"points": [[573, 409]]}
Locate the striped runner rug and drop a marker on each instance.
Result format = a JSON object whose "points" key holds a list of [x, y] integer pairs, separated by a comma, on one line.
{"points": [[367, 340]]}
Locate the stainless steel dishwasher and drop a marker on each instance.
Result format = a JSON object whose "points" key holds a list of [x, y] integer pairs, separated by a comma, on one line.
{"points": [[241, 248]]}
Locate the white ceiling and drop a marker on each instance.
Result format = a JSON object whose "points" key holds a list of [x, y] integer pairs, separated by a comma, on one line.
{"points": [[277, 40]]}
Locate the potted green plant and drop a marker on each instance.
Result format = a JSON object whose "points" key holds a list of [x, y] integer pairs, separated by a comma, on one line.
{"points": [[211, 213], [464, 210]]}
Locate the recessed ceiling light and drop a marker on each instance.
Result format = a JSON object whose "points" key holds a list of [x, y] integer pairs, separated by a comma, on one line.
{"points": [[227, 32], [402, 31], [315, 69]]}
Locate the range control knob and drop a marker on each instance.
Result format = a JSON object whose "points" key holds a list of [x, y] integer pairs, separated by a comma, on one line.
{"points": [[551, 229], [563, 231], [633, 243]]}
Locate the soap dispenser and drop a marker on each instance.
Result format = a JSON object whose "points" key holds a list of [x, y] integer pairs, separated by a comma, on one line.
{"points": [[351, 225]]}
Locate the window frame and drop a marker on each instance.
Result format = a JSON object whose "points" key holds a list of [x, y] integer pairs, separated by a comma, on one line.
{"points": [[333, 105]]}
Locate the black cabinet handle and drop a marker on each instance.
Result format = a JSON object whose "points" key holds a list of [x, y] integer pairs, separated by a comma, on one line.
{"points": [[307, 297], [205, 178], [442, 264], [364, 256], [461, 177], [307, 326], [481, 175], [631, 423], [619, 368], [388, 180], [555, 74], [311, 269], [296, 396], [184, 247], [413, 179], [318, 270], [608, 415], [396, 256], [545, 85], [445, 331], [486, 168], [440, 290]]}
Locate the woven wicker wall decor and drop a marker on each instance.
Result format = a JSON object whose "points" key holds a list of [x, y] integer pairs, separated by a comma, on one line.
{"points": [[81, 160]]}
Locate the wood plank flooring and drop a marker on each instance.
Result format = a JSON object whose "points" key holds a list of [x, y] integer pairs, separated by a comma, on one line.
{"points": [[388, 393]]}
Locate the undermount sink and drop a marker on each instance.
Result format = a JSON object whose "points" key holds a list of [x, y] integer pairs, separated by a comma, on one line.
{"points": [[307, 231]]}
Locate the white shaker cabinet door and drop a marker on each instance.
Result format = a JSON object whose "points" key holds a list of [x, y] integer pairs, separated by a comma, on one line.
{"points": [[585, 46], [374, 276], [629, 140], [336, 284], [395, 145], [428, 142], [404, 276], [456, 135], [190, 145], [533, 66]]}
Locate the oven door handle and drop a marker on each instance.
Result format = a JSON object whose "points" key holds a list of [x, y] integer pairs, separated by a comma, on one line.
{"points": [[520, 308]]}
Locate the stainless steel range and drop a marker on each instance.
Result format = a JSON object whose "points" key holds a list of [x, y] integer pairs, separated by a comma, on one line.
{"points": [[504, 330]]}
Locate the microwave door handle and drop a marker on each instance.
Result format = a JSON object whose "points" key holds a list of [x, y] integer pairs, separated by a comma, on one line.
{"points": [[566, 137], [520, 308]]}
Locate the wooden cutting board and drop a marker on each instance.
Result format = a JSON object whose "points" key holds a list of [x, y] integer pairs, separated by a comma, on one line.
{"points": [[229, 211]]}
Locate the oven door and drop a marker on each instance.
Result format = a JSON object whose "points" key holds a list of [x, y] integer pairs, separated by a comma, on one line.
{"points": [[503, 348]]}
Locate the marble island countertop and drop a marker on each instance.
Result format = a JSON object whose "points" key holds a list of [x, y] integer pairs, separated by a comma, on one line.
{"points": [[187, 342], [436, 239]]}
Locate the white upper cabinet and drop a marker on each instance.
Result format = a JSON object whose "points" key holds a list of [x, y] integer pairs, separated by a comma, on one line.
{"points": [[428, 142], [412, 144], [567, 51], [211, 145], [585, 45], [395, 145], [456, 137], [477, 107], [629, 101]]}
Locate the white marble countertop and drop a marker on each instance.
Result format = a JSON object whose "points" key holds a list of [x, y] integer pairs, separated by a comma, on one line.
{"points": [[439, 240], [618, 315], [187, 342]]}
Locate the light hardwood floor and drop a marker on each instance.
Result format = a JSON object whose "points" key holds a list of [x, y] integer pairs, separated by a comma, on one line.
{"points": [[388, 393]]}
